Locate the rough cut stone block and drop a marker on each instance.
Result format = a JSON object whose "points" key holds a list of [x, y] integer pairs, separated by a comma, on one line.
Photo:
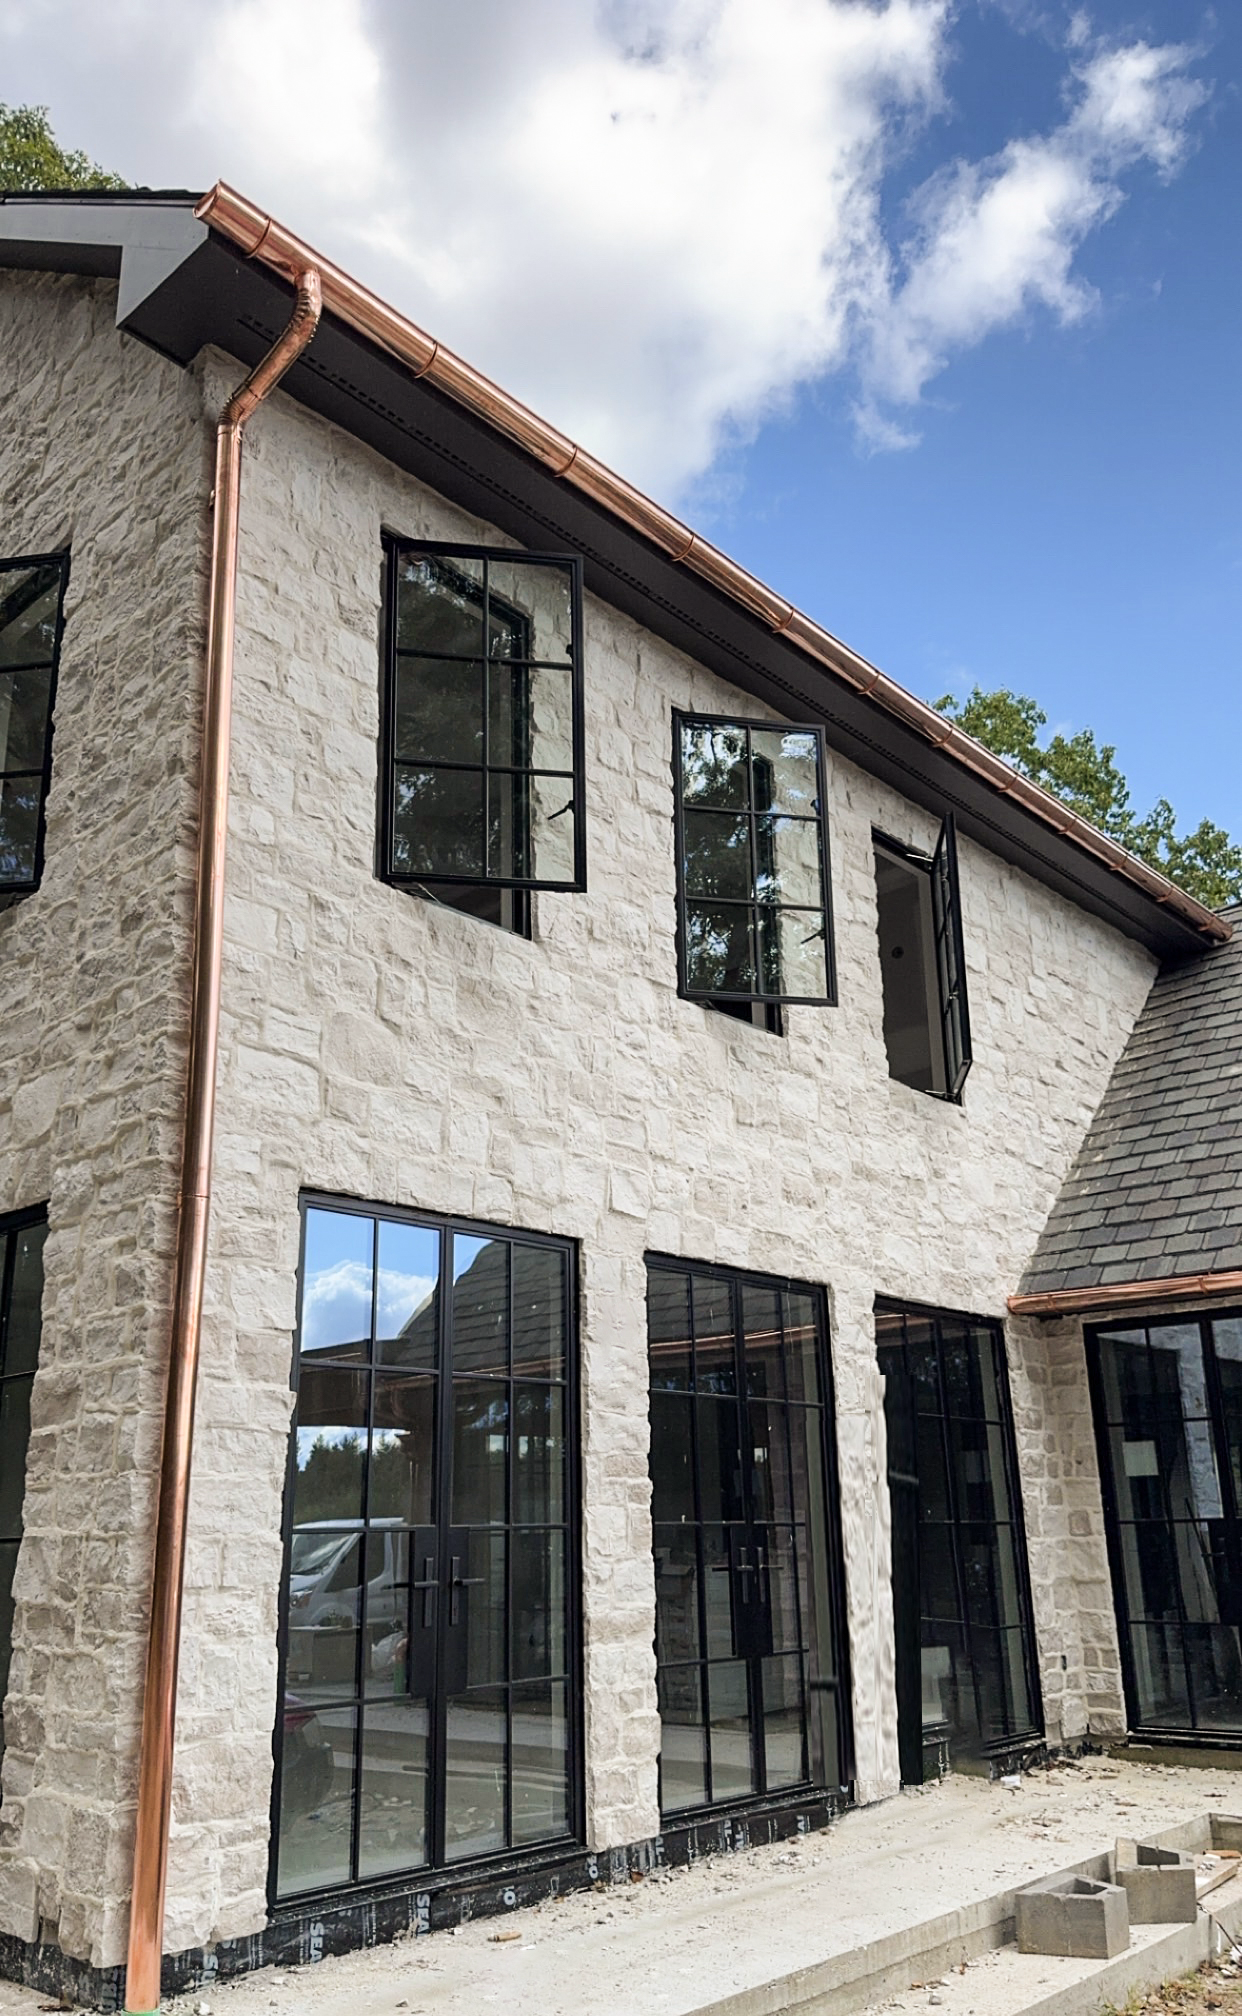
{"points": [[1159, 1884], [1073, 1916]]}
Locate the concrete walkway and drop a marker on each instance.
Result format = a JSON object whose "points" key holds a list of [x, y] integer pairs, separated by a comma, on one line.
{"points": [[685, 1940]]}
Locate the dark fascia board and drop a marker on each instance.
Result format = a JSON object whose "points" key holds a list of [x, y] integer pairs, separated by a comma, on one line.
{"points": [[183, 288]]}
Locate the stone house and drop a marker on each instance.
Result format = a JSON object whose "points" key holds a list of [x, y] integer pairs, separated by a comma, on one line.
{"points": [[652, 1055]]}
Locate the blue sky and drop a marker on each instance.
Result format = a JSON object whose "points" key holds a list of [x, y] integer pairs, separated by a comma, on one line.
{"points": [[927, 313], [1069, 524]]}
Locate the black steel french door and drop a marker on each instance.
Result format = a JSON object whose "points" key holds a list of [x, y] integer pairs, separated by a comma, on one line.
{"points": [[744, 1508], [965, 1644], [429, 1618], [1167, 1399]]}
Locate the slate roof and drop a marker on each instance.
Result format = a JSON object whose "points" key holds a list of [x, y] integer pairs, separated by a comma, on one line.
{"points": [[1156, 1188]]}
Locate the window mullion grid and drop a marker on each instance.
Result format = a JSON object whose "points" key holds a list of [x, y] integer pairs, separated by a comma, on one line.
{"points": [[486, 655], [700, 1549], [953, 1506], [1171, 1522], [364, 1548], [756, 953], [511, 1521], [795, 1529], [8, 1263], [749, 1531]]}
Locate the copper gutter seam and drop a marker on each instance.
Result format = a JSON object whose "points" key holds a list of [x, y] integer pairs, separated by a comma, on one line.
{"points": [[1126, 1294], [146, 1930], [235, 218]]}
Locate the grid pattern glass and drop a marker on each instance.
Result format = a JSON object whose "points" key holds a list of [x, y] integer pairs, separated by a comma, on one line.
{"points": [[21, 1305], [746, 1548], [755, 916], [484, 715], [428, 1642], [950, 1433], [31, 594], [1166, 1399]]}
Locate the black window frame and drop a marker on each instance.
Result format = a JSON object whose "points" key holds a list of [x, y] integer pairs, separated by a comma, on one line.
{"points": [[891, 1310], [693, 717], [948, 953], [441, 887], [1195, 1732], [431, 1875], [13, 890], [12, 1223], [834, 1566]]}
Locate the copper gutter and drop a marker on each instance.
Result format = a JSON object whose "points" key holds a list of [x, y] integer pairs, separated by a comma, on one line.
{"points": [[1126, 1294], [260, 237], [146, 1927]]}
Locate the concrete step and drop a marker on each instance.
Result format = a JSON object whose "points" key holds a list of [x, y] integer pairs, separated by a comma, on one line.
{"points": [[969, 1961]]}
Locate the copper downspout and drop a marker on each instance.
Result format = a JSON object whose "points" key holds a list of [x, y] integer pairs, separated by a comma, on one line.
{"points": [[1126, 1294], [146, 1926], [263, 239]]}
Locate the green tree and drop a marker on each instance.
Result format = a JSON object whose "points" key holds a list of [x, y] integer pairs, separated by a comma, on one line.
{"points": [[31, 159], [1083, 773]]}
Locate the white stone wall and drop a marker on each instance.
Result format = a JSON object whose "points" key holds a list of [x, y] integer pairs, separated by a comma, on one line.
{"points": [[101, 448], [382, 1048]]}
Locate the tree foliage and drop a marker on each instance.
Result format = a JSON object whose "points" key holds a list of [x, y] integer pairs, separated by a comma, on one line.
{"points": [[31, 159], [1083, 773]]}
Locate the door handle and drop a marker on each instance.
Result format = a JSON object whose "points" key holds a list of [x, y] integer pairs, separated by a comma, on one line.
{"points": [[458, 1582], [428, 1585]]}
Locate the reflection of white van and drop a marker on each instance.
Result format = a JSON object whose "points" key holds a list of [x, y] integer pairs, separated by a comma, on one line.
{"points": [[324, 1587]]}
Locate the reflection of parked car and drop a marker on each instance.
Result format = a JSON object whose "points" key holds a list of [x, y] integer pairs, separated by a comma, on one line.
{"points": [[324, 1573], [325, 1596]]}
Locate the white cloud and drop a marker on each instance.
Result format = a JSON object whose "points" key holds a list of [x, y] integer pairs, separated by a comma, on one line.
{"points": [[653, 219], [336, 1305], [994, 240]]}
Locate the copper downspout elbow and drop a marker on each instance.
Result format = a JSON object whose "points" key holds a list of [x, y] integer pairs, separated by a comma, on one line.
{"points": [[146, 1926]]}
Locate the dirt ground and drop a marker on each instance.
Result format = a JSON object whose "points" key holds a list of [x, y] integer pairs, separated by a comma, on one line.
{"points": [[1216, 1988]]}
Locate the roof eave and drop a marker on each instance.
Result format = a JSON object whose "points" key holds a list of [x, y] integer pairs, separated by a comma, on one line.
{"points": [[217, 272]]}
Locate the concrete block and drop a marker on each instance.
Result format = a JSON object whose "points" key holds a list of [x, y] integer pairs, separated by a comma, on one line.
{"points": [[1073, 1916], [1159, 1884]]}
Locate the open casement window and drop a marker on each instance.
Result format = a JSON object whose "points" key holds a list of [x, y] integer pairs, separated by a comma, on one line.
{"points": [[754, 902], [481, 789], [922, 965], [32, 596]]}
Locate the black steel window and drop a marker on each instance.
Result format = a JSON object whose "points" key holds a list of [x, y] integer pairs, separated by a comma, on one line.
{"points": [[21, 1306], [32, 596], [754, 894], [430, 1609], [749, 1635], [922, 964], [481, 787], [1167, 1399], [966, 1673]]}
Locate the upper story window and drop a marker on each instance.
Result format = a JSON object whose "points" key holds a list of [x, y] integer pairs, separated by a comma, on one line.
{"points": [[481, 793], [753, 890], [31, 616], [922, 964]]}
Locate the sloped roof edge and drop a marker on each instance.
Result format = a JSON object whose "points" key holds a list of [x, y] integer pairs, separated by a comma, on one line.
{"points": [[144, 235]]}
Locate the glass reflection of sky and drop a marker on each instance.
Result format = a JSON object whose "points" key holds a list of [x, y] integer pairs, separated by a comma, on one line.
{"points": [[336, 1293]]}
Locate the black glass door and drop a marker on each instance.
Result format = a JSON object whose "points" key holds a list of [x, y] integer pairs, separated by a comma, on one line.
{"points": [[1167, 1399], [960, 1593], [428, 1626], [744, 1524]]}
